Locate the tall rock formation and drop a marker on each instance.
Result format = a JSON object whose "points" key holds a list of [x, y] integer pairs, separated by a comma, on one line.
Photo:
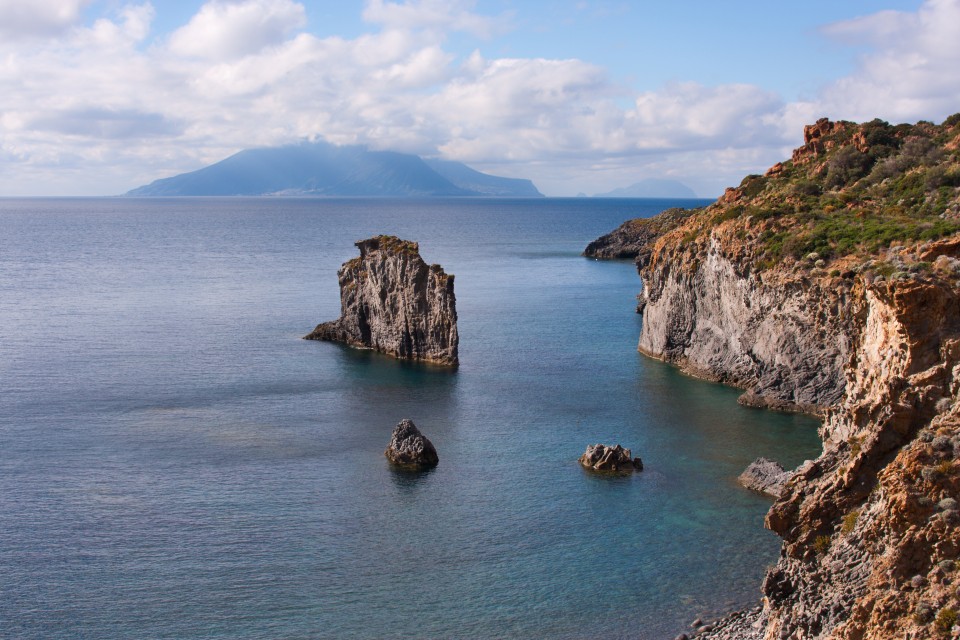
{"points": [[831, 285], [393, 302]]}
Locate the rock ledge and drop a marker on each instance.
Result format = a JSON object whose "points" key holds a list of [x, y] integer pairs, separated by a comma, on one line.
{"points": [[765, 476]]}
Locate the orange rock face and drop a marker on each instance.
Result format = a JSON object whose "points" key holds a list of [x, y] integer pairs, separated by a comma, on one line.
{"points": [[788, 288]]}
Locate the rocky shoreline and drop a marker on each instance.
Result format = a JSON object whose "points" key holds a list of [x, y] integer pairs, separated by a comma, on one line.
{"points": [[831, 285], [740, 625], [766, 477], [633, 240]]}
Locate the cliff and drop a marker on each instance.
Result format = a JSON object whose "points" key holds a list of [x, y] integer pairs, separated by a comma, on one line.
{"points": [[829, 285], [391, 301]]}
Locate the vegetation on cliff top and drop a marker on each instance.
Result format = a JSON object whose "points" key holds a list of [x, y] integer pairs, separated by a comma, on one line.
{"points": [[850, 191]]}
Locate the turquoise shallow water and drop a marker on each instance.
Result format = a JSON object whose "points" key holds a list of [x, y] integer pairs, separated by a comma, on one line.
{"points": [[176, 463]]}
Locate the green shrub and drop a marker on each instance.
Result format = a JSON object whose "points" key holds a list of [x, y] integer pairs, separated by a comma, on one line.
{"points": [[884, 269], [806, 188], [821, 544], [849, 522], [941, 176], [730, 214], [880, 133], [847, 166], [752, 185], [856, 444], [945, 620]]}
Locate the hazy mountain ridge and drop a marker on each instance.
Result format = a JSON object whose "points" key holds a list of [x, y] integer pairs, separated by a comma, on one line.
{"points": [[320, 168], [651, 188]]}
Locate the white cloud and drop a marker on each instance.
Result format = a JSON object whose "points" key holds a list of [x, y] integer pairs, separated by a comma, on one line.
{"points": [[689, 115], [166, 109], [227, 30], [910, 71], [98, 102], [19, 19]]}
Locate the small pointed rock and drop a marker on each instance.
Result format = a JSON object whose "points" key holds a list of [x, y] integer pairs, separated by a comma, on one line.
{"points": [[410, 448]]}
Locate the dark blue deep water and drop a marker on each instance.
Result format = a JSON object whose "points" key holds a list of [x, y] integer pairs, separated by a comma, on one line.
{"points": [[175, 462]]}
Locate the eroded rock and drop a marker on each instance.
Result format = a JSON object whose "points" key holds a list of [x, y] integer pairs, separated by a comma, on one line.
{"points": [[600, 457], [765, 476], [869, 340], [410, 448], [391, 301], [633, 240]]}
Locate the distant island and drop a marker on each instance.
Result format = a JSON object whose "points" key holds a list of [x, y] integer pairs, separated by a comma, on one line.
{"points": [[651, 188], [323, 169]]}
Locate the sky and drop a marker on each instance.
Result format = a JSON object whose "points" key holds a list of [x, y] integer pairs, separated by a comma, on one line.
{"points": [[100, 96]]}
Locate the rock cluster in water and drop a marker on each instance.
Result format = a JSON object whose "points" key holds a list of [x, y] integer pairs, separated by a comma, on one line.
{"points": [[600, 457], [410, 448], [765, 476], [391, 301]]}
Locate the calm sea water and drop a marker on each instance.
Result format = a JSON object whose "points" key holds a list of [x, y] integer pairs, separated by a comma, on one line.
{"points": [[175, 462]]}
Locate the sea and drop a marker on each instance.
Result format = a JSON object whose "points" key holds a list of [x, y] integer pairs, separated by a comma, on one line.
{"points": [[176, 462]]}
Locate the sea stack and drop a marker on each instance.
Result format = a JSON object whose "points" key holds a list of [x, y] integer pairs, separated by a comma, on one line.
{"points": [[391, 301], [410, 448]]}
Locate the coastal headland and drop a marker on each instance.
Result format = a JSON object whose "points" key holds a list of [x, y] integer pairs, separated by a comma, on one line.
{"points": [[830, 285]]}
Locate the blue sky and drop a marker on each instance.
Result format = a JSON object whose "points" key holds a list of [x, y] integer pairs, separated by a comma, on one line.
{"points": [[102, 96]]}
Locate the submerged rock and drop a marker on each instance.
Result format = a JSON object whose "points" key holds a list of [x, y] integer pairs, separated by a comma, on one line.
{"points": [[765, 476], [410, 448], [391, 301], [600, 457]]}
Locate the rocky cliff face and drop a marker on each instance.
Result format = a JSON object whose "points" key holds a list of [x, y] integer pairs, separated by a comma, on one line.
{"points": [[830, 285], [870, 532], [765, 476], [783, 339], [393, 302]]}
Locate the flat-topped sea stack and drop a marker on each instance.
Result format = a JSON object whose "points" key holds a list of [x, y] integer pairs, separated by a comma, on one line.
{"points": [[393, 302]]}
